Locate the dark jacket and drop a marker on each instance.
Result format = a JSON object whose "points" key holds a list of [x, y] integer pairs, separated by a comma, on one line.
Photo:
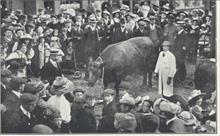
{"points": [[83, 119], [138, 33], [120, 35], [49, 72], [17, 122], [12, 101], [107, 121]]}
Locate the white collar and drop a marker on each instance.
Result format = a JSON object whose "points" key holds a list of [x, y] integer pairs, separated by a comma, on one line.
{"points": [[3, 85], [122, 29], [28, 114], [17, 93], [152, 27]]}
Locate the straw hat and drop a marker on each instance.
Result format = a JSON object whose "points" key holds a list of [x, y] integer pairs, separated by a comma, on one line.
{"points": [[194, 94]]}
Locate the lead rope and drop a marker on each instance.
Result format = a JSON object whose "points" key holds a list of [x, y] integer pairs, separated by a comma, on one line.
{"points": [[103, 71]]}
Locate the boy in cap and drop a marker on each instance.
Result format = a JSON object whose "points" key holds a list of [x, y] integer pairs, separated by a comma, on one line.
{"points": [[108, 112], [21, 120], [166, 69]]}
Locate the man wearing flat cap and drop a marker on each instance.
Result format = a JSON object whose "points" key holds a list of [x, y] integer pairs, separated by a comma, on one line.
{"points": [[12, 101], [166, 69], [52, 68], [21, 120]]}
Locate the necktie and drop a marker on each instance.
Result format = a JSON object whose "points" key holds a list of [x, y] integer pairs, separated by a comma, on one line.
{"points": [[163, 54]]}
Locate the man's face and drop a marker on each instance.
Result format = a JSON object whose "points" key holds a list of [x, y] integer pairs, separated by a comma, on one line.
{"points": [[165, 48], [123, 108], [6, 80], [146, 106], [30, 106], [78, 96], [54, 57], [108, 98]]}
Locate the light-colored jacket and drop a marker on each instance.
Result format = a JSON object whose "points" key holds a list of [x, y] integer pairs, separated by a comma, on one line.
{"points": [[165, 67]]}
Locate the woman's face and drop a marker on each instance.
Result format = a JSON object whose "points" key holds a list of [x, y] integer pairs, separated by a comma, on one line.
{"points": [[40, 29], [23, 48]]}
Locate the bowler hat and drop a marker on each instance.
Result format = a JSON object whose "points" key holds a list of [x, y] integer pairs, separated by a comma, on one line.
{"points": [[166, 43]]}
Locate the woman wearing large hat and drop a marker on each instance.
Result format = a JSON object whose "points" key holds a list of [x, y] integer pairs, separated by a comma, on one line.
{"points": [[60, 86]]}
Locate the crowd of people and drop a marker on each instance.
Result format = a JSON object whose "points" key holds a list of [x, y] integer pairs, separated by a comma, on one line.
{"points": [[37, 98]]}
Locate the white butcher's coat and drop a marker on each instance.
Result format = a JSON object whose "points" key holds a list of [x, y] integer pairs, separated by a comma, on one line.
{"points": [[165, 67]]}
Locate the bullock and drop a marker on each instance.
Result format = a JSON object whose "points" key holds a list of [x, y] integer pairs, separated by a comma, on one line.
{"points": [[205, 77], [135, 55]]}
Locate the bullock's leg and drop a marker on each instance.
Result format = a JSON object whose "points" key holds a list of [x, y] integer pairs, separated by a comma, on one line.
{"points": [[150, 79], [144, 79], [117, 83]]}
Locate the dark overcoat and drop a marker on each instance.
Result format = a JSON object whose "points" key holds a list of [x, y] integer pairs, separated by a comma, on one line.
{"points": [[49, 72], [107, 121], [17, 122]]}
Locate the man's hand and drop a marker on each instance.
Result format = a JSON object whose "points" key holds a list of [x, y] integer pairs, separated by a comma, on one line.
{"points": [[169, 80]]}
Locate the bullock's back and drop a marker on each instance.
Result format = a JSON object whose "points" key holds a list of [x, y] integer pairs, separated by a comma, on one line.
{"points": [[128, 54]]}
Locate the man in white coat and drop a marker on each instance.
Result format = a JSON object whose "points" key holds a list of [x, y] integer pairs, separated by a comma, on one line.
{"points": [[166, 69]]}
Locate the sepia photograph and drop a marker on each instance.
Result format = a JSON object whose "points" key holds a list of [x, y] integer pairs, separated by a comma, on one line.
{"points": [[108, 67]]}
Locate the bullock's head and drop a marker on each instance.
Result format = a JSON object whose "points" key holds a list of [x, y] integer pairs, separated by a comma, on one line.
{"points": [[94, 71]]}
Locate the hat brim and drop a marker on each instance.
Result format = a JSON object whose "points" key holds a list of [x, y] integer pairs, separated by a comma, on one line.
{"points": [[156, 108], [195, 97]]}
